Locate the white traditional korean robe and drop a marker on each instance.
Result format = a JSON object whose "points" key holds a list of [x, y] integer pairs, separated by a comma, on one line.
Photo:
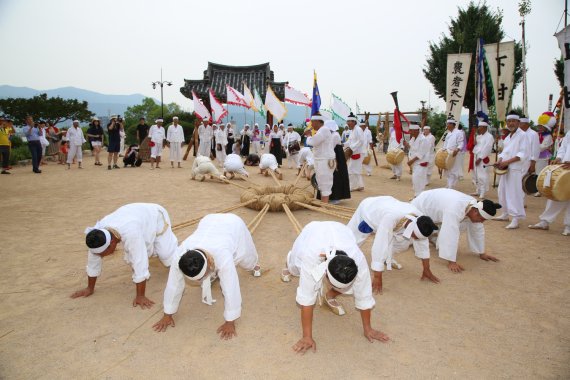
{"points": [[205, 133], [268, 161], [157, 136], [357, 142], [393, 144], [76, 139], [454, 141], [222, 139], [175, 136], [482, 151], [324, 156], [419, 148], [234, 164], [431, 156], [511, 195]]}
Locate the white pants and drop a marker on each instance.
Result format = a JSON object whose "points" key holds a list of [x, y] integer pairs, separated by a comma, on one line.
{"points": [[122, 146], [221, 155], [293, 160], [324, 175], [461, 159], [156, 150], [431, 161], [552, 210], [455, 172], [204, 148], [481, 179], [397, 170], [256, 145], [355, 173], [419, 178], [511, 195], [540, 164], [75, 151], [176, 151]]}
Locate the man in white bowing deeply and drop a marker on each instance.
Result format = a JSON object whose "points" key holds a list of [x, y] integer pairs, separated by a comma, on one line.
{"points": [[145, 231], [396, 225], [175, 138], [325, 254], [457, 212], [220, 242]]}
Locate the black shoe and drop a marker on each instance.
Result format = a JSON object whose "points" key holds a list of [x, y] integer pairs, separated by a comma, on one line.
{"points": [[116, 167], [38, 171], [5, 172], [109, 167]]}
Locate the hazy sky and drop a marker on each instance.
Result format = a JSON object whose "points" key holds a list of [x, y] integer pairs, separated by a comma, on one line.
{"points": [[361, 50]]}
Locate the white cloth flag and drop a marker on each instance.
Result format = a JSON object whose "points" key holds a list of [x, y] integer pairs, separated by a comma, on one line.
{"points": [[274, 105], [328, 115], [296, 96], [199, 108], [340, 109], [218, 109], [502, 71], [258, 103], [248, 97], [457, 75], [564, 43], [234, 97]]}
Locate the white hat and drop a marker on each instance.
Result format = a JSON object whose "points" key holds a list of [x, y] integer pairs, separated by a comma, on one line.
{"points": [[414, 127], [524, 120], [75, 121], [159, 121], [427, 127], [513, 117], [318, 117], [175, 118], [95, 119], [206, 118], [330, 124], [451, 121], [482, 123], [113, 116]]}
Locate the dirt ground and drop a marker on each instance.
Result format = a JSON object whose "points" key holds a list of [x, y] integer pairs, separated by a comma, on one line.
{"points": [[495, 320]]}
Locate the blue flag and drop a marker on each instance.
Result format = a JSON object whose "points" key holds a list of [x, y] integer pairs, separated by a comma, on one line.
{"points": [[316, 97]]}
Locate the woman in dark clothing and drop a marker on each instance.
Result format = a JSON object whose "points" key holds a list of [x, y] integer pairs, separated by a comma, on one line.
{"points": [[114, 128], [231, 141], [245, 140], [276, 145], [341, 186], [95, 135]]}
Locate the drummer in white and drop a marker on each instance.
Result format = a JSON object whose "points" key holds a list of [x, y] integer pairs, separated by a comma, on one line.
{"points": [[481, 152], [454, 142]]}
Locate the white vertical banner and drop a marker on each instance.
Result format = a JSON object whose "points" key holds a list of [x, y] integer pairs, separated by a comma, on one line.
{"points": [[457, 75], [564, 43], [340, 109], [501, 61]]}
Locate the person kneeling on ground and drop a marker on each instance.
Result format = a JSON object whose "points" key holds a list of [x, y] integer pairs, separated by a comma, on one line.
{"points": [[269, 162]]}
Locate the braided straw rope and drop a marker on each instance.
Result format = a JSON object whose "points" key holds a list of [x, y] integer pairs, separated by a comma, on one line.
{"points": [[300, 174], [275, 196], [296, 225], [324, 211], [196, 220], [272, 173], [317, 202], [235, 184]]}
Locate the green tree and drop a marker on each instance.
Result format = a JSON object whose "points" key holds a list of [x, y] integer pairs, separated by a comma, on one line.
{"points": [[436, 121], [559, 71], [54, 109], [476, 21]]}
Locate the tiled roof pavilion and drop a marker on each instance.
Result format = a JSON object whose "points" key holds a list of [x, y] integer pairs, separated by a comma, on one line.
{"points": [[217, 76]]}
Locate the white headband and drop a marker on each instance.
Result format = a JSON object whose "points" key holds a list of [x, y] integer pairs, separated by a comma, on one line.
{"points": [[351, 118], [513, 117], [524, 120], [204, 268], [451, 121], [317, 117], [413, 228], [159, 121], [320, 270], [102, 248], [414, 127], [482, 124], [479, 206], [427, 127]]}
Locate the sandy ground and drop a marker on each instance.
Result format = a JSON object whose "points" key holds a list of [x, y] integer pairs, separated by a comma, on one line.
{"points": [[496, 320]]}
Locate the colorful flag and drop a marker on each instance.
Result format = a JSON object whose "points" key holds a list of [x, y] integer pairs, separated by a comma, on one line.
{"points": [[234, 97], [248, 97], [274, 105], [563, 38], [258, 103], [199, 108], [218, 110], [340, 109], [316, 103], [296, 96], [481, 104]]}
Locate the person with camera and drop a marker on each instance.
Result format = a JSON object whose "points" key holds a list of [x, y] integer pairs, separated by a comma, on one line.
{"points": [[95, 135], [114, 147]]}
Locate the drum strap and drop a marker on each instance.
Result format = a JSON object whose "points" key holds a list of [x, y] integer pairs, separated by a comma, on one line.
{"points": [[548, 176]]}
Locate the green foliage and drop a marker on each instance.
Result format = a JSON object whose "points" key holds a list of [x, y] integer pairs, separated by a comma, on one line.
{"points": [[476, 21], [55, 109], [436, 121], [16, 142], [19, 153], [559, 71]]}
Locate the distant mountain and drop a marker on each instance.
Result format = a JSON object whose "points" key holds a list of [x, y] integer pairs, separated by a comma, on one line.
{"points": [[100, 104]]}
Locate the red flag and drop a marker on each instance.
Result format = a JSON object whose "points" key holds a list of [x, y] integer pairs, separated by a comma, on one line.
{"points": [[470, 146], [398, 125]]}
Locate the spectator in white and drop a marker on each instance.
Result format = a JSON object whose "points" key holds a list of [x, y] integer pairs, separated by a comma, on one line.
{"points": [[323, 155], [393, 144], [145, 231], [456, 212], [205, 134], [306, 157], [208, 254], [76, 139], [122, 136], [293, 146], [43, 140], [482, 152], [221, 141], [345, 134], [325, 254], [418, 159], [357, 143], [431, 149], [233, 164], [553, 208], [512, 158], [461, 154], [533, 142], [454, 142], [256, 137], [175, 138], [157, 136], [395, 225], [369, 148]]}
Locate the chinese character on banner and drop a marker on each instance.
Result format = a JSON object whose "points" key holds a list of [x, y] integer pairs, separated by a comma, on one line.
{"points": [[457, 75], [501, 58]]}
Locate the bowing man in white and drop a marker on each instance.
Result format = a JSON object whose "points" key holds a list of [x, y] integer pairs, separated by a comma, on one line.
{"points": [[431, 149], [325, 254], [357, 142], [175, 138], [157, 136], [205, 134], [221, 141], [268, 162], [513, 157], [482, 150], [76, 139], [454, 142], [145, 231], [418, 159], [208, 254], [457, 212], [553, 208], [323, 155], [233, 164], [396, 225], [393, 144]]}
